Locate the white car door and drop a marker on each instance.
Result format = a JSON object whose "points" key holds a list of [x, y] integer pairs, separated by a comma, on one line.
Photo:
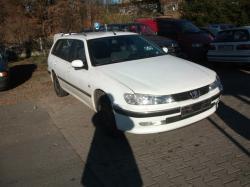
{"points": [[79, 78], [60, 61]]}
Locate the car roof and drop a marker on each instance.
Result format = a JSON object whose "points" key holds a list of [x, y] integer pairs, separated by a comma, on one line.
{"points": [[90, 35]]}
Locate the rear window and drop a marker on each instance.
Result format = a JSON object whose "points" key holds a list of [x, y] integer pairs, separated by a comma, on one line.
{"points": [[241, 35], [232, 36]]}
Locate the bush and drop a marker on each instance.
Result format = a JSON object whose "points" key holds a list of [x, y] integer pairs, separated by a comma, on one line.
{"points": [[203, 12]]}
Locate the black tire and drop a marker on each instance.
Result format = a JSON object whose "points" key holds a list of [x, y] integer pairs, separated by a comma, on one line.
{"points": [[59, 91], [107, 115]]}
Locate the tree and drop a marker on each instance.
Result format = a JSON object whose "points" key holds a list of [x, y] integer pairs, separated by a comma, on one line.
{"points": [[203, 12], [147, 7], [3, 15]]}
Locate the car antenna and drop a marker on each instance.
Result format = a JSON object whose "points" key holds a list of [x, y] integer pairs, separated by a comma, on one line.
{"points": [[106, 28]]}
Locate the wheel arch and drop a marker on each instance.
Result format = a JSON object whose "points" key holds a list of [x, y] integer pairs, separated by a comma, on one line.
{"points": [[97, 94]]}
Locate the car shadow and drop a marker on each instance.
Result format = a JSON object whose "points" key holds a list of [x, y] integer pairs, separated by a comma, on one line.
{"points": [[235, 80], [235, 120], [236, 83], [110, 160], [19, 74]]}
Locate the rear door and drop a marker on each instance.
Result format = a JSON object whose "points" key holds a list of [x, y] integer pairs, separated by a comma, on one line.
{"points": [[60, 61]]}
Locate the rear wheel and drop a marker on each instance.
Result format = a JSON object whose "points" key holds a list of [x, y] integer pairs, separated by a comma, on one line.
{"points": [[59, 91]]}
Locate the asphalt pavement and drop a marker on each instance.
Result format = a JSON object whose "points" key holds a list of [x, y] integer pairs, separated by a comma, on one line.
{"points": [[51, 141]]}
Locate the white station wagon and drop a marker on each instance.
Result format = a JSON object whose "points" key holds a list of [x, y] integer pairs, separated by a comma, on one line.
{"points": [[137, 86]]}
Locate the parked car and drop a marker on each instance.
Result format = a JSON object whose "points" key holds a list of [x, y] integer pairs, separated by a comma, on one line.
{"points": [[146, 31], [4, 69], [212, 31], [135, 85], [191, 39], [231, 46], [150, 22], [172, 45]]}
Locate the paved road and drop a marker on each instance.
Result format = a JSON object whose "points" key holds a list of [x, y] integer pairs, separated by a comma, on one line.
{"points": [[51, 141]]}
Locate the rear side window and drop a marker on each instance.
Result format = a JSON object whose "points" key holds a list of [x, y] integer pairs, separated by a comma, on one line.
{"points": [[55, 50], [77, 51], [62, 49]]}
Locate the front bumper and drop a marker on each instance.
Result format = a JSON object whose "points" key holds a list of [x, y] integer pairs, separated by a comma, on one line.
{"points": [[165, 120]]}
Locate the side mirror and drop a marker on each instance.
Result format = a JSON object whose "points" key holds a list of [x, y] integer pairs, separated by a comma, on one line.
{"points": [[165, 49], [77, 64]]}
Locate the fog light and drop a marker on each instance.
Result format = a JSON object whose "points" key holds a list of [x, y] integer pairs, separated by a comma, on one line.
{"points": [[146, 123]]}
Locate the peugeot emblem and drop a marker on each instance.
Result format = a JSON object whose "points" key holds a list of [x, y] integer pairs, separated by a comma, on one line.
{"points": [[195, 94]]}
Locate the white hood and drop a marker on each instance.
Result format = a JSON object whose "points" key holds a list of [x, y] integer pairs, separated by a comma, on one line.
{"points": [[161, 75]]}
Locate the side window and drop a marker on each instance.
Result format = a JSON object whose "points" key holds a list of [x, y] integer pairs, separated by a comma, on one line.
{"points": [[62, 49], [55, 50], [65, 49], [77, 51]]}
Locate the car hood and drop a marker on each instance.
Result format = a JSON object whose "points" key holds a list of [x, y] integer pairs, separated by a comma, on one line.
{"points": [[159, 75]]}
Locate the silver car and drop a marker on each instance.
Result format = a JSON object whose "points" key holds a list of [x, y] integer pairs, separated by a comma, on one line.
{"points": [[231, 46]]}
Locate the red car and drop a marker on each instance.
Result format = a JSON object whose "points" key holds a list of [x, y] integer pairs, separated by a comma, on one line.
{"points": [[193, 41], [149, 22]]}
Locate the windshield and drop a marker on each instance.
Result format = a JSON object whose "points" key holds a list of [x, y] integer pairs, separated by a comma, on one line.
{"points": [[188, 27], [116, 49]]}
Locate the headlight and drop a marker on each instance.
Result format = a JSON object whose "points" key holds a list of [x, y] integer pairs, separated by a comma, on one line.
{"points": [[142, 99], [216, 84], [3, 74], [197, 45]]}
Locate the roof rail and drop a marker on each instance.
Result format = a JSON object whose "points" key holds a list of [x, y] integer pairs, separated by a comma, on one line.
{"points": [[84, 33], [58, 35]]}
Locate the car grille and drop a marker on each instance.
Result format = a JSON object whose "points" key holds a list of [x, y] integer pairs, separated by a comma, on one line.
{"points": [[196, 108], [186, 95], [192, 110]]}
